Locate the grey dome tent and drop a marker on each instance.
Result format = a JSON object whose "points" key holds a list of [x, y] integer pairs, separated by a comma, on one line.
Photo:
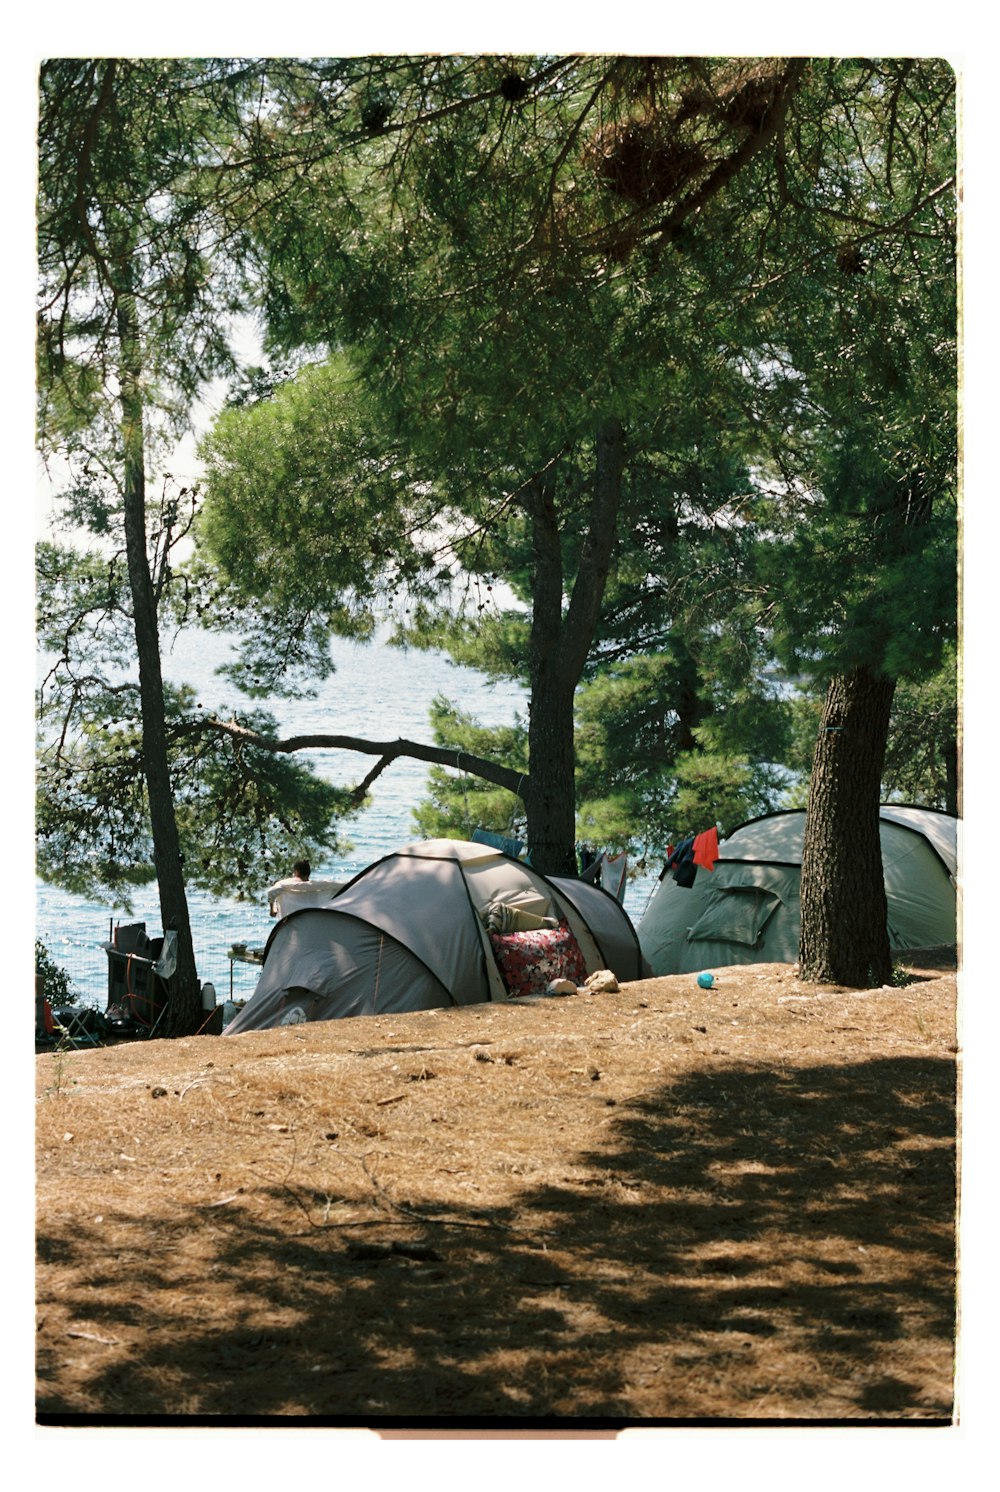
{"points": [[746, 910], [410, 933]]}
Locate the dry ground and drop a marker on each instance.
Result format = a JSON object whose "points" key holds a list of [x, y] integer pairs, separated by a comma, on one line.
{"points": [[654, 1205]]}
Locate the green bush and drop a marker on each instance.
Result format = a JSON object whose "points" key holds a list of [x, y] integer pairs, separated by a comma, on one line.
{"points": [[58, 984]]}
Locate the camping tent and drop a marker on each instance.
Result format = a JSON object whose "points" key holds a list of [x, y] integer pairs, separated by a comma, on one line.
{"points": [[437, 923], [746, 910]]}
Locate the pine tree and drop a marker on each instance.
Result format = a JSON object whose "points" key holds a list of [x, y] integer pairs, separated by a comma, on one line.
{"points": [[501, 262], [863, 338], [147, 170]]}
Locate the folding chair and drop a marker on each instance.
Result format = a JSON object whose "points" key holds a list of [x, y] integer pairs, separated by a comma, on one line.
{"points": [[77, 1027]]}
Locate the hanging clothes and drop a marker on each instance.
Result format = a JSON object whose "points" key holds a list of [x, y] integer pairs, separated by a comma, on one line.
{"points": [[503, 842], [706, 848], [694, 850], [680, 862], [614, 874]]}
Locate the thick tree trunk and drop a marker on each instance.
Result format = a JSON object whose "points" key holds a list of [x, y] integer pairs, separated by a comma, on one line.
{"points": [[550, 801], [184, 1014], [560, 644], [844, 938]]}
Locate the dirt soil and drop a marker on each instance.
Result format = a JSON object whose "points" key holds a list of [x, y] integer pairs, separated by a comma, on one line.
{"points": [[651, 1206]]}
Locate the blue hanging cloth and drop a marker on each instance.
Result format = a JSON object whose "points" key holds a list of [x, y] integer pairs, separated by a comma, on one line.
{"points": [[512, 847]]}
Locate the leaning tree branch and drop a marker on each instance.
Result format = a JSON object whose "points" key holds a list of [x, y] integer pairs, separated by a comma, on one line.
{"points": [[388, 752]]}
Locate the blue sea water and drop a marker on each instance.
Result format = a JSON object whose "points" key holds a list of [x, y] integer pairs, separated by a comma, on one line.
{"points": [[377, 692]]}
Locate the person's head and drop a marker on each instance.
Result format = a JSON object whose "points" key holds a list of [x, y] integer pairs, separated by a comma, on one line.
{"points": [[301, 869]]}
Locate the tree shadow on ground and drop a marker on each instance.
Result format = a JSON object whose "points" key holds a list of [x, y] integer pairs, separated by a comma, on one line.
{"points": [[743, 1243]]}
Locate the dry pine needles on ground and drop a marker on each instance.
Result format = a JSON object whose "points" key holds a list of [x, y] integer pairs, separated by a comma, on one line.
{"points": [[652, 1205]]}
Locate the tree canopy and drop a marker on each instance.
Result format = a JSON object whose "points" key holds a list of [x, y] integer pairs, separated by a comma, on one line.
{"points": [[717, 257]]}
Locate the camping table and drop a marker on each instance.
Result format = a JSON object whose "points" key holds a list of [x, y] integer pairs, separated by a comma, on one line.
{"points": [[243, 955]]}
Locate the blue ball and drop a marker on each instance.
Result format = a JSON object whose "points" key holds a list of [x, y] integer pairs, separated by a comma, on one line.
{"points": [[706, 981]]}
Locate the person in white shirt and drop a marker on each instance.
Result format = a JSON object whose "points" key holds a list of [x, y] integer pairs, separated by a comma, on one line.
{"points": [[297, 891], [299, 877]]}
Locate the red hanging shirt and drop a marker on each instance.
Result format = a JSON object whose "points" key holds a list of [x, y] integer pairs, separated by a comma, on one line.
{"points": [[706, 848]]}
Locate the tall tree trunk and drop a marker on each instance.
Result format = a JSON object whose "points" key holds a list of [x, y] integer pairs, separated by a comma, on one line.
{"points": [[560, 645], [689, 705], [183, 1016], [549, 799], [844, 936]]}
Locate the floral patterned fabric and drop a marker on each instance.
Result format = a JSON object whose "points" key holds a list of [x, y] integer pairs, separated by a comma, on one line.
{"points": [[529, 961]]}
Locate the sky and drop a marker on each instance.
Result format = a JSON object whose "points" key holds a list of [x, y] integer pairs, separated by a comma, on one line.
{"points": [[962, 32]]}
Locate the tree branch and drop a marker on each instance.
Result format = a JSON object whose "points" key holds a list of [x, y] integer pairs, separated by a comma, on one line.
{"points": [[442, 756], [669, 227]]}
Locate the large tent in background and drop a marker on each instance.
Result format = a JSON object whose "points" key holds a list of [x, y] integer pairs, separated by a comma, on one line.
{"points": [[438, 923], [746, 910]]}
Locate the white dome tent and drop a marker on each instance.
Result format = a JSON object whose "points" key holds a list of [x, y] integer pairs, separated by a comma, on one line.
{"points": [[437, 923], [746, 910]]}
